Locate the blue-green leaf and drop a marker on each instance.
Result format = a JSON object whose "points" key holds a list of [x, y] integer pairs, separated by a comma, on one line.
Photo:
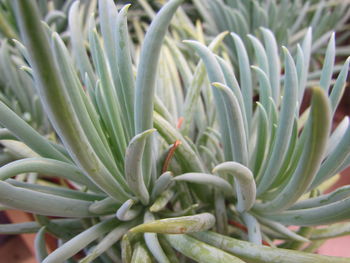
{"points": [[245, 77], [40, 245], [206, 179], [328, 64], [274, 64], [253, 227], [238, 134], [27, 134], [215, 75], [161, 184], [58, 104], [32, 201], [285, 125], [126, 74], [321, 215], [335, 159], [108, 241], [152, 242], [316, 132], [133, 165], [200, 251], [260, 54], [262, 254], [73, 246], [77, 40], [49, 167], [244, 183], [336, 195], [339, 85], [146, 77]]}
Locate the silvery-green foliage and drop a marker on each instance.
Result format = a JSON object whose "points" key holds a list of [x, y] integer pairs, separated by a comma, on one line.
{"points": [[293, 17], [288, 20], [54, 13], [138, 184], [17, 89]]}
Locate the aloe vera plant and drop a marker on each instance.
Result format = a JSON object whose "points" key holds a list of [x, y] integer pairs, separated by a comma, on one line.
{"points": [[139, 186]]}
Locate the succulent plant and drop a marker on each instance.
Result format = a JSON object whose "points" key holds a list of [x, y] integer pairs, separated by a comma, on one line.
{"points": [[294, 17], [215, 178], [54, 13], [17, 89], [245, 18]]}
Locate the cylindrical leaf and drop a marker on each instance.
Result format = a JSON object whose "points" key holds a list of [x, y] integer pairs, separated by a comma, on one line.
{"points": [[178, 225]]}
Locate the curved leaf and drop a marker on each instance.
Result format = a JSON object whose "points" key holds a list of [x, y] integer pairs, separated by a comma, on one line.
{"points": [[161, 184], [285, 125], [153, 244], [237, 132], [40, 245], [215, 75], [260, 54], [316, 132], [107, 205], [125, 213], [196, 84], [245, 77], [244, 183], [125, 66], [206, 179], [274, 63], [146, 77], [133, 165]]}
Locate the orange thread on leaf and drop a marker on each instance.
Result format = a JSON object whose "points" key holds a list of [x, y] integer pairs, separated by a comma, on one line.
{"points": [[170, 155], [179, 122], [244, 228], [238, 225]]}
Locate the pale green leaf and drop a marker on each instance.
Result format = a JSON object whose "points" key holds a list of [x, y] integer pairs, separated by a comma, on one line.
{"points": [[178, 225], [206, 179], [200, 251], [244, 183], [73, 246], [133, 165]]}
